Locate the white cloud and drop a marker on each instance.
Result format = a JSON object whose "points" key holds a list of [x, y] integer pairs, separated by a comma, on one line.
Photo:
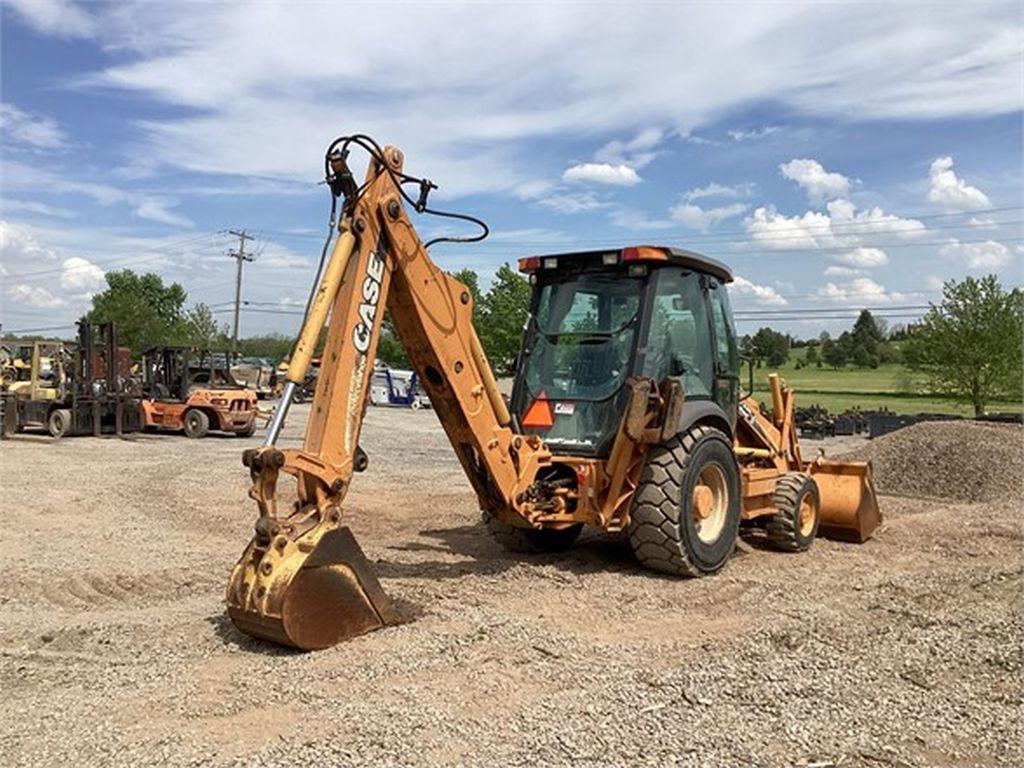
{"points": [[29, 130], [33, 256], [859, 290], [754, 133], [18, 245], [275, 256], [841, 226], [700, 141], [33, 178], [952, 192], [630, 218], [30, 178], [158, 210], [21, 249], [531, 190], [602, 173], [864, 257], [819, 184], [54, 17], [616, 164], [837, 271], [572, 202], [8, 205], [529, 234], [80, 276], [714, 189], [762, 294], [34, 296], [636, 153], [987, 255], [695, 217], [459, 120]]}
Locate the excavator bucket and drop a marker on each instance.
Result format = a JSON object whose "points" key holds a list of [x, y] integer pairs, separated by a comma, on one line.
{"points": [[308, 596], [849, 505]]}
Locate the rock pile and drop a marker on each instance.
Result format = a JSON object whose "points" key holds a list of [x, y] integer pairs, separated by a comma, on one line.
{"points": [[960, 460]]}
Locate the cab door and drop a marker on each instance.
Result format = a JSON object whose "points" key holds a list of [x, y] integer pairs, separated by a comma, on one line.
{"points": [[727, 356]]}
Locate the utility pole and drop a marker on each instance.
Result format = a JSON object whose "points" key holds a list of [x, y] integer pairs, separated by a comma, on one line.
{"points": [[240, 256]]}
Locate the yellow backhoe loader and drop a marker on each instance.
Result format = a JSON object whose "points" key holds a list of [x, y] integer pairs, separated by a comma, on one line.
{"points": [[626, 415]]}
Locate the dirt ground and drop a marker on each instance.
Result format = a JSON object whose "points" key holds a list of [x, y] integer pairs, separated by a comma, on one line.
{"points": [[115, 649]]}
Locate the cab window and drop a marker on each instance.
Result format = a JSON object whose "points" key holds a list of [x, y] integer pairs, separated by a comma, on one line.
{"points": [[679, 341], [725, 334]]}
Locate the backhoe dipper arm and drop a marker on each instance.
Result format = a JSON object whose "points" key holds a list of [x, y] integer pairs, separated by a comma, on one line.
{"points": [[378, 261]]}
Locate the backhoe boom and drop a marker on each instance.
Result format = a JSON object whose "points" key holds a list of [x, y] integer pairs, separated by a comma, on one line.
{"points": [[378, 261]]}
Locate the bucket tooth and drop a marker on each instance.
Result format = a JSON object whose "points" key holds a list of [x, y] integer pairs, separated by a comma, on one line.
{"points": [[316, 600]]}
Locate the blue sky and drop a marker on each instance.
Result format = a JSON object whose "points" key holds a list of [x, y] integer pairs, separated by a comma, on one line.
{"points": [[835, 155]]}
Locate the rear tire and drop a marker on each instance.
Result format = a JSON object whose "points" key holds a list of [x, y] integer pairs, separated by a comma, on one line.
{"points": [[686, 509], [797, 513], [531, 540], [59, 422], [196, 424]]}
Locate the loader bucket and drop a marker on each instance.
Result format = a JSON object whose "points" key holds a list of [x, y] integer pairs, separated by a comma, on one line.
{"points": [[308, 595], [848, 503]]}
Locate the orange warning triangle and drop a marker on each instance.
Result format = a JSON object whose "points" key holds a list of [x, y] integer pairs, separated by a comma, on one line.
{"points": [[540, 414]]}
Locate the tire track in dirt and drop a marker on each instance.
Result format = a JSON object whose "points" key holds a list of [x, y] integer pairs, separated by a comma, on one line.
{"points": [[86, 591]]}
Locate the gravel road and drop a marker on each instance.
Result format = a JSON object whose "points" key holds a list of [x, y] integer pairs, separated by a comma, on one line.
{"points": [[115, 650]]}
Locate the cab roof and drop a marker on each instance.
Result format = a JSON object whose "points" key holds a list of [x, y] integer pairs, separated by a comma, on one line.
{"points": [[650, 254]]}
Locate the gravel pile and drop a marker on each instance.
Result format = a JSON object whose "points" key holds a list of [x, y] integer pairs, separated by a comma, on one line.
{"points": [[961, 460]]}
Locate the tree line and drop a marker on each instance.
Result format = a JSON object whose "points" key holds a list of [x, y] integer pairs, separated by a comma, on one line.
{"points": [[149, 313], [863, 346], [967, 347]]}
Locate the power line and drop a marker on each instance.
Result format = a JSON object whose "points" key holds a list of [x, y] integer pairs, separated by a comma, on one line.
{"points": [[850, 227], [125, 260], [39, 330], [814, 310], [837, 316], [750, 245], [261, 311]]}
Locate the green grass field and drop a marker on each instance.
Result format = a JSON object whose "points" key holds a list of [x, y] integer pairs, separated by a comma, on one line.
{"points": [[890, 386]]}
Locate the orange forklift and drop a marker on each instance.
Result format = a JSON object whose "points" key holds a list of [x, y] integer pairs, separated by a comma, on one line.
{"points": [[185, 389]]}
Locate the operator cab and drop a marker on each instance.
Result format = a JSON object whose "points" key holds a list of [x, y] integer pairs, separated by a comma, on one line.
{"points": [[598, 318]]}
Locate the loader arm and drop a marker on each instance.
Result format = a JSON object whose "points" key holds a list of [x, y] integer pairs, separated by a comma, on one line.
{"points": [[302, 580]]}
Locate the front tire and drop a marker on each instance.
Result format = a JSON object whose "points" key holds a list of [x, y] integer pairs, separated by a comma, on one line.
{"points": [[530, 540], [197, 424], [797, 513], [686, 509], [58, 423]]}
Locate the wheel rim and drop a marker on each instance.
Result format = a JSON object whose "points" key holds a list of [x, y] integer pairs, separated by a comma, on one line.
{"points": [[806, 515], [192, 421], [710, 503]]}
